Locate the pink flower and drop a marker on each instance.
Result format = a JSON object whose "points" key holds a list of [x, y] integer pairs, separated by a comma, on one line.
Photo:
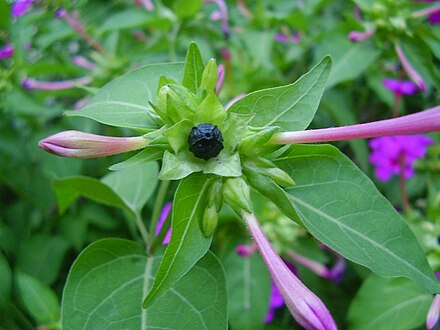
{"points": [[31, 84], [357, 36], [412, 73], [6, 51], [276, 301], [77, 144], [400, 87], [284, 38], [390, 151], [21, 7], [162, 217]]}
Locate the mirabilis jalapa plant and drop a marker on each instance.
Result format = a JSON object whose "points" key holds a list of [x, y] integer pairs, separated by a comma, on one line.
{"points": [[221, 157]]}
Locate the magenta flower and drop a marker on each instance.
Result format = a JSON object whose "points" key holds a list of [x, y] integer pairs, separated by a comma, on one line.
{"points": [[77, 144], [162, 217], [276, 302], [394, 154], [433, 13], [284, 38], [6, 51], [20, 7], [307, 309], [83, 62], [221, 15], [246, 250], [400, 87], [221, 79], [357, 36], [31, 84]]}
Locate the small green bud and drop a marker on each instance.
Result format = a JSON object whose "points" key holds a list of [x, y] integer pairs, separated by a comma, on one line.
{"points": [[210, 76], [209, 221], [266, 167], [236, 193], [253, 143], [215, 197]]}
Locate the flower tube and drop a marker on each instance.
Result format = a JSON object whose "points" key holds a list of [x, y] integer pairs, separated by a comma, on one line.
{"points": [[77, 144], [422, 122], [31, 84], [307, 309], [412, 73]]}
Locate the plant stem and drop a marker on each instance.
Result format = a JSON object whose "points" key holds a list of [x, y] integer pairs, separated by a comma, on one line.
{"points": [[396, 106], [142, 229]]}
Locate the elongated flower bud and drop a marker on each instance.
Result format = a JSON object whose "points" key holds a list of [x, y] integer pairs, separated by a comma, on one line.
{"points": [[433, 313], [412, 73], [357, 36], [78, 144], [31, 84], [307, 309], [418, 123]]}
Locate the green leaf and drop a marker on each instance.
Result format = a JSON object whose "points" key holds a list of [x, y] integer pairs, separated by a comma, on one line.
{"points": [[224, 165], [38, 299], [270, 189], [381, 302], [134, 185], [210, 111], [147, 155], [291, 107], [110, 278], [175, 168], [132, 18], [349, 59], [177, 135], [69, 189], [185, 8], [188, 244], [249, 288], [42, 256], [124, 101], [342, 208], [194, 67]]}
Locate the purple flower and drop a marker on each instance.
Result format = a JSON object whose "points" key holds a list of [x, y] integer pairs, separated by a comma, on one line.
{"points": [[20, 7], [392, 154], [434, 311], [76, 144], [162, 217], [221, 79], [31, 84], [276, 301], [284, 38], [222, 15], [6, 51], [83, 62], [433, 13], [357, 36], [307, 309], [400, 87]]}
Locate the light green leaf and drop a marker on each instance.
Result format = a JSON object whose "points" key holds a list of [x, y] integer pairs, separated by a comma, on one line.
{"points": [[382, 302], [342, 208], [175, 168], [249, 287], [69, 189], [124, 101], [110, 278], [185, 8], [194, 67], [147, 155], [188, 244], [291, 107], [224, 165], [132, 18], [349, 59], [210, 111], [134, 185], [38, 299], [177, 135]]}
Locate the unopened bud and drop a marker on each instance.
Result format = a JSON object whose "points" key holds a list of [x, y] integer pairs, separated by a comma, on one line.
{"points": [[210, 76], [78, 144], [209, 221], [236, 193]]}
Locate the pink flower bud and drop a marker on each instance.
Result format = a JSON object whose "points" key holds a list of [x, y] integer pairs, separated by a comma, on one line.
{"points": [[412, 73], [357, 36], [307, 309], [78, 144]]}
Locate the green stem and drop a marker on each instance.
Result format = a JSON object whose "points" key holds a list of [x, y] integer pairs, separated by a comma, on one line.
{"points": [[142, 229]]}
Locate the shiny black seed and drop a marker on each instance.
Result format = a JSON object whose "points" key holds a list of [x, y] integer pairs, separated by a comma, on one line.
{"points": [[205, 141]]}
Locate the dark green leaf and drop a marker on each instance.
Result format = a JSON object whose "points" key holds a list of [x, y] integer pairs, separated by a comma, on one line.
{"points": [[110, 278], [381, 302], [188, 244], [5, 282], [192, 75], [291, 107], [342, 208], [124, 101]]}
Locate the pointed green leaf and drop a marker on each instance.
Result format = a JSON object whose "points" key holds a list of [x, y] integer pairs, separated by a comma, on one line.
{"points": [[38, 299], [188, 244], [224, 165], [291, 107], [210, 111], [110, 278], [194, 67], [124, 101], [342, 208], [381, 302], [177, 167]]}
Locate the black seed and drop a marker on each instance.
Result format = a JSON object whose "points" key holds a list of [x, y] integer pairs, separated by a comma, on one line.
{"points": [[205, 141]]}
